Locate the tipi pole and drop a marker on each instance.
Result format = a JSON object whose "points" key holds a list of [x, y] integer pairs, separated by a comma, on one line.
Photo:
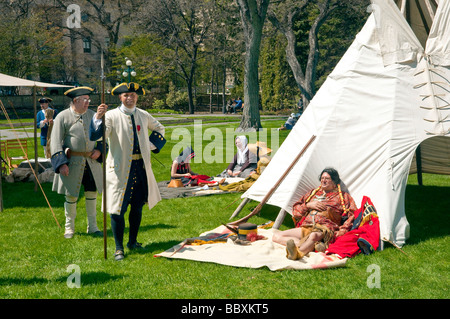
{"points": [[280, 218], [419, 165], [274, 188], [36, 161], [239, 208], [104, 162]]}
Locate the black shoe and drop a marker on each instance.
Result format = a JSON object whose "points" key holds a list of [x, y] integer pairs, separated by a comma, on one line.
{"points": [[98, 233], [365, 246], [135, 245], [119, 255]]}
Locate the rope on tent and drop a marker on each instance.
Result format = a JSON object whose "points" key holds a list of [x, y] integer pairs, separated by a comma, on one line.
{"points": [[431, 83], [29, 163]]}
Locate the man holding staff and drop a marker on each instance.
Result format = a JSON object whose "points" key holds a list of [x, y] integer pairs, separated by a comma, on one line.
{"points": [[76, 160], [129, 176]]}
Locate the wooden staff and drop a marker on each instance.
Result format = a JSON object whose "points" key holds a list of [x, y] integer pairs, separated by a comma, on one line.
{"points": [[274, 188], [104, 161]]}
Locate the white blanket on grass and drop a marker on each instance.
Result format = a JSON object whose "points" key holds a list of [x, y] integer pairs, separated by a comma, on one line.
{"points": [[259, 254]]}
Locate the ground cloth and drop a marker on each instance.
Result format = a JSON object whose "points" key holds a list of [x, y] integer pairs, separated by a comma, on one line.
{"points": [[261, 253], [175, 192]]}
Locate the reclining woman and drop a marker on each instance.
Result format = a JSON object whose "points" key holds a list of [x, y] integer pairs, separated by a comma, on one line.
{"points": [[244, 161], [318, 217]]}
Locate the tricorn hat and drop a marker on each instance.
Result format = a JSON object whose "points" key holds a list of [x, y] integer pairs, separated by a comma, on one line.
{"points": [[127, 88], [78, 91], [45, 100]]}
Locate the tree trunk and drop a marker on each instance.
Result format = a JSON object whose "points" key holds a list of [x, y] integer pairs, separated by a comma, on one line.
{"points": [[191, 97], [224, 80], [305, 80], [211, 90], [252, 16], [190, 82]]}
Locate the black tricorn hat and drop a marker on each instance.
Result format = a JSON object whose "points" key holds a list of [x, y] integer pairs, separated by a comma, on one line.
{"points": [[78, 91], [45, 100], [127, 88], [158, 140]]}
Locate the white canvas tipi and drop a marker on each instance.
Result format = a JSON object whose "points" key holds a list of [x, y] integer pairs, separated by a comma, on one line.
{"points": [[389, 93]]}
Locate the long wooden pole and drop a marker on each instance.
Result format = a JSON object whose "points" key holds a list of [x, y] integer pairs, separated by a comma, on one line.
{"points": [[104, 162], [277, 184], [36, 160]]}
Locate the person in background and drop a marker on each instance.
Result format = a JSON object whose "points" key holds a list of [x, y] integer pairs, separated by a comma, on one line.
{"points": [[244, 161], [181, 166], [238, 105], [290, 122], [44, 121]]}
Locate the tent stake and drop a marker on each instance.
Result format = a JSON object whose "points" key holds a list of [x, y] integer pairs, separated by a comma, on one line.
{"points": [[274, 188]]}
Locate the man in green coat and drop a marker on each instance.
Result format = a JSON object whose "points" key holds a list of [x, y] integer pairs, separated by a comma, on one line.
{"points": [[75, 159]]}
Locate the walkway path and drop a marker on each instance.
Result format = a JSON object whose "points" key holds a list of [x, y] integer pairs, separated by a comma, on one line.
{"points": [[6, 133]]}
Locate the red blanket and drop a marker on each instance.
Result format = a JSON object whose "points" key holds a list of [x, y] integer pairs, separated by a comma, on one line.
{"points": [[199, 179], [364, 235]]}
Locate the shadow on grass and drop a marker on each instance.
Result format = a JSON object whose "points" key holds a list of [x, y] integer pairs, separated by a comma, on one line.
{"points": [[155, 226], [90, 278], [22, 281], [95, 278], [427, 209], [22, 194], [154, 248], [109, 233]]}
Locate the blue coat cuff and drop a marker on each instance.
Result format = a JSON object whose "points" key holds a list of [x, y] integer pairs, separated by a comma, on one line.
{"points": [[59, 159], [158, 140], [95, 134]]}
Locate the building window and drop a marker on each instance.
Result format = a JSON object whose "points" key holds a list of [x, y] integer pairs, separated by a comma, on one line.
{"points": [[87, 45]]}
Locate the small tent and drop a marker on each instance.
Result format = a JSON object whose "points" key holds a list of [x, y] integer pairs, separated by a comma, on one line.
{"points": [[389, 93], [8, 80]]}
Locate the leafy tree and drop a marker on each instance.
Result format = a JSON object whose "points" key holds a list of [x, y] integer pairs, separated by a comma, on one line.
{"points": [[182, 25], [152, 61], [30, 45], [300, 20], [278, 87], [102, 22]]}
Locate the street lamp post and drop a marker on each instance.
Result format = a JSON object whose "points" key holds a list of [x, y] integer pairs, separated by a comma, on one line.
{"points": [[129, 71]]}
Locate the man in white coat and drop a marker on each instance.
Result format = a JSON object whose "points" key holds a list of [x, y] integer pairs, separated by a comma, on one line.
{"points": [[129, 176], [75, 159]]}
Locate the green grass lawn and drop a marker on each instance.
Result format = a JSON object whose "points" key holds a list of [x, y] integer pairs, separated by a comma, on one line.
{"points": [[34, 256]]}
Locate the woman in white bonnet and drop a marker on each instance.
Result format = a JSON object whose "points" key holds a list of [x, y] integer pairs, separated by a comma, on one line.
{"points": [[244, 161]]}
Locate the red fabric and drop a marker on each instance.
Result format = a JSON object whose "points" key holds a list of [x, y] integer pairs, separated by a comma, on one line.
{"points": [[202, 179], [346, 245]]}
